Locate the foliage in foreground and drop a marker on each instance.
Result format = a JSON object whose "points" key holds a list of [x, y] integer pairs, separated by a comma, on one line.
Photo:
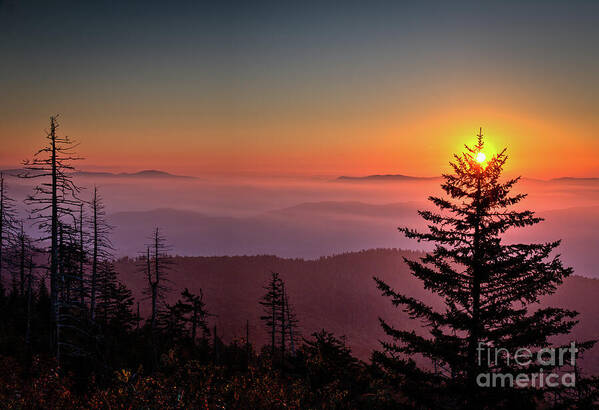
{"points": [[323, 374]]}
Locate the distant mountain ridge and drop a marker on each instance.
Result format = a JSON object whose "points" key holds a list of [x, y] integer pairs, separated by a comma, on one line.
{"points": [[353, 208], [313, 229], [575, 179], [386, 177], [400, 177], [147, 173], [339, 285]]}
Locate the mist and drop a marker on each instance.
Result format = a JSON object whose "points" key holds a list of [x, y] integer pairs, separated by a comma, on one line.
{"points": [[310, 217]]}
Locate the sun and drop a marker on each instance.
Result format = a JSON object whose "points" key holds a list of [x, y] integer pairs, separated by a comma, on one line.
{"points": [[481, 157]]}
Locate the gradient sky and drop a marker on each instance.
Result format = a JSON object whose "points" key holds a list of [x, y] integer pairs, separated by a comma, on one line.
{"points": [[322, 88]]}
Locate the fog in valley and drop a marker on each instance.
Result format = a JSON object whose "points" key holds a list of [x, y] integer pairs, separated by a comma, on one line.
{"points": [[309, 217]]}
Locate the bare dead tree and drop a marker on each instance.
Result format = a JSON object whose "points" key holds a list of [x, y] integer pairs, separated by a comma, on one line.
{"points": [[157, 266], [101, 245], [22, 240], [8, 224], [82, 256], [54, 200]]}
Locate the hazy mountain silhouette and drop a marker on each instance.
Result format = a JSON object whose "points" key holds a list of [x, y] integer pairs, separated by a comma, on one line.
{"points": [[385, 177], [400, 177], [334, 292], [311, 230], [305, 231], [575, 180], [15, 172], [150, 173], [346, 208]]}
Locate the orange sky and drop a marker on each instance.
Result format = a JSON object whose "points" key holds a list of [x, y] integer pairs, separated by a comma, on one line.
{"points": [[310, 91], [416, 140]]}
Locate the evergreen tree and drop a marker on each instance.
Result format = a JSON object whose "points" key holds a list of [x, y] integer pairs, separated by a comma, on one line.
{"points": [[114, 318], [122, 313], [74, 333], [43, 310], [193, 310], [283, 322], [68, 266], [272, 302], [289, 323], [171, 322], [30, 278], [23, 254], [328, 359], [106, 303], [490, 289]]}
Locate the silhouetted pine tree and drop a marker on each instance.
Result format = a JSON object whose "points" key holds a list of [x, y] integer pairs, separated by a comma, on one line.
{"points": [[23, 278], [272, 301], [43, 309], [584, 394], [69, 259], [123, 316], [30, 279], [114, 318], [329, 360], [106, 284], [193, 310], [74, 332], [289, 324], [171, 323], [488, 287], [283, 322], [23, 251]]}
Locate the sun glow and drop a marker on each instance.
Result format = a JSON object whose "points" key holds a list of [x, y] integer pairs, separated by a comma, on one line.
{"points": [[481, 157]]}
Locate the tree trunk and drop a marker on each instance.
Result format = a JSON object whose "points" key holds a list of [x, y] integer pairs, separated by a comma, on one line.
{"points": [[94, 257], [274, 321], [247, 342], [22, 264], [475, 292], [54, 239], [194, 324], [215, 346], [28, 331], [1, 223], [81, 258], [138, 316], [291, 340], [154, 295], [283, 328]]}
